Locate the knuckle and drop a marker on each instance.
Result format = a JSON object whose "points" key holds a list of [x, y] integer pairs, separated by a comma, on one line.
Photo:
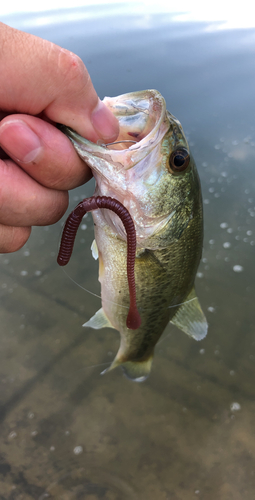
{"points": [[72, 69], [57, 207]]}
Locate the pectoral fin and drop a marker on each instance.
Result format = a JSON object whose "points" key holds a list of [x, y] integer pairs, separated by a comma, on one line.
{"points": [[99, 320], [94, 250], [190, 317]]}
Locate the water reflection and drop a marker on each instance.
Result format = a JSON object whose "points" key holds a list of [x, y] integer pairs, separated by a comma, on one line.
{"points": [[219, 16], [188, 432]]}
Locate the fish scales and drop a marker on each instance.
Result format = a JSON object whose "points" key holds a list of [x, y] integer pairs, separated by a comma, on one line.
{"points": [[157, 181]]}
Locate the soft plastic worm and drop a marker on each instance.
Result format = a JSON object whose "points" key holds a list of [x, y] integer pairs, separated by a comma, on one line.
{"points": [[71, 227]]}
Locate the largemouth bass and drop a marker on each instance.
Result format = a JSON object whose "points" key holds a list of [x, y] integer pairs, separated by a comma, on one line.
{"points": [[151, 172]]}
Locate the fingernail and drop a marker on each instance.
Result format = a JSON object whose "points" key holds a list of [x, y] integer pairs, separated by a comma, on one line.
{"points": [[104, 122], [19, 141]]}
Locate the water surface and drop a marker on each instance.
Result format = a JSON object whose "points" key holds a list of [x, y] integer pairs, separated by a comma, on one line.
{"points": [[188, 432]]}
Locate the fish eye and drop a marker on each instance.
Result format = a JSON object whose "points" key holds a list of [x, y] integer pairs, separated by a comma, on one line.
{"points": [[179, 160]]}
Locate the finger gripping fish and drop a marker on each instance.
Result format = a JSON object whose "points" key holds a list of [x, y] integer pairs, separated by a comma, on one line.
{"points": [[149, 172]]}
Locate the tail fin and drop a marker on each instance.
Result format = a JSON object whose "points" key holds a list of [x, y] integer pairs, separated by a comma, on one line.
{"points": [[138, 371]]}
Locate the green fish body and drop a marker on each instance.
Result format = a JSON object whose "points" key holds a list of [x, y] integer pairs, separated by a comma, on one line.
{"points": [[156, 179]]}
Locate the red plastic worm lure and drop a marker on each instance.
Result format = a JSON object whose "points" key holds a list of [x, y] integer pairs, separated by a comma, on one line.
{"points": [[71, 227]]}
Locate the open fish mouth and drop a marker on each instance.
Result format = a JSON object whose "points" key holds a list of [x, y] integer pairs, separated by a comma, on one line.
{"points": [[140, 115], [143, 122]]}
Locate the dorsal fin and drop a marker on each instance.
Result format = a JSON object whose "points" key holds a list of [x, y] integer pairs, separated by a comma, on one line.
{"points": [[190, 317]]}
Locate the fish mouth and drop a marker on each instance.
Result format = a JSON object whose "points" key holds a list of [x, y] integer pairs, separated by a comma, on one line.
{"points": [[140, 116], [143, 122]]}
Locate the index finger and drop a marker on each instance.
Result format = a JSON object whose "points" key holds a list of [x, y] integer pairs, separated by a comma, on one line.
{"points": [[39, 76]]}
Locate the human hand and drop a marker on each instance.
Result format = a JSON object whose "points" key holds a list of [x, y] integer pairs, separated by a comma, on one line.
{"points": [[42, 84]]}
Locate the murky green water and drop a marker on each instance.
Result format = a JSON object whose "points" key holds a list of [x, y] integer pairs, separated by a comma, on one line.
{"points": [[188, 432]]}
